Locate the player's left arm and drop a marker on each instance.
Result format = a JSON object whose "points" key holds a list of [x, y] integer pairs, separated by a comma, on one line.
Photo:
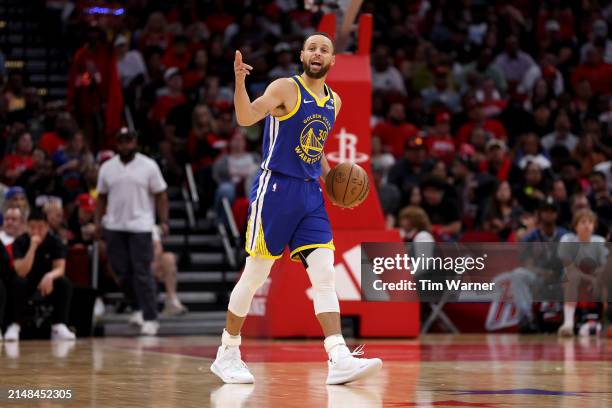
{"points": [[325, 167]]}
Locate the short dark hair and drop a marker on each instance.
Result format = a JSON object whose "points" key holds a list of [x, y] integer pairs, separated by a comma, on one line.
{"points": [[324, 35], [37, 215], [597, 173]]}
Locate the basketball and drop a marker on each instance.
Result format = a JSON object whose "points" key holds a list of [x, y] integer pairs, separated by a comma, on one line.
{"points": [[347, 185]]}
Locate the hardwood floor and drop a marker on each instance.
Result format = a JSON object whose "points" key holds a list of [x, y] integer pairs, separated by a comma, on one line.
{"points": [[434, 371]]}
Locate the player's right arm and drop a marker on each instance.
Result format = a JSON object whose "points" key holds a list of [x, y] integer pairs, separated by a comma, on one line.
{"points": [[247, 112]]}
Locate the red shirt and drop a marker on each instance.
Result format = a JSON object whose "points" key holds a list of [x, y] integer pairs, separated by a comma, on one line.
{"points": [[598, 76], [192, 78], [15, 162], [164, 105], [395, 136], [50, 142], [170, 59], [490, 125], [441, 147], [502, 173]]}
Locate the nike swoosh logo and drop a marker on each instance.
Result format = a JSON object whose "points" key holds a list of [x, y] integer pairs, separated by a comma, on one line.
{"points": [[305, 101]]}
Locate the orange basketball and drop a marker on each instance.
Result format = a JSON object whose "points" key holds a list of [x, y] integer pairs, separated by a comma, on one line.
{"points": [[347, 185]]}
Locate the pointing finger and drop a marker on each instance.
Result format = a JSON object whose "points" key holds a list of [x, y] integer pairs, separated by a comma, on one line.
{"points": [[238, 58]]}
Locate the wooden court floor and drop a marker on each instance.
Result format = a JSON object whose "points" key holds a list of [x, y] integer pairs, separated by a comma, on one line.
{"points": [[434, 371]]}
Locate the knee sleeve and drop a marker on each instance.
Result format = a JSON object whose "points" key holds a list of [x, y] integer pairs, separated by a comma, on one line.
{"points": [[320, 268], [255, 273]]}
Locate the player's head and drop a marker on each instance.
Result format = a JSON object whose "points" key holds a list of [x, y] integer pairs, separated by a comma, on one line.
{"points": [[317, 55]]}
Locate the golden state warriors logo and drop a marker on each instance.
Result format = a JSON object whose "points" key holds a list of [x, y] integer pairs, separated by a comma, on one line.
{"points": [[312, 139]]}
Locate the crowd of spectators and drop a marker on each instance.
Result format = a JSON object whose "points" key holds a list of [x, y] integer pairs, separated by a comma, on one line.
{"points": [[482, 110]]}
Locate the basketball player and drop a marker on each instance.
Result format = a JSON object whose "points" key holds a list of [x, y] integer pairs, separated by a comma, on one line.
{"points": [[286, 206]]}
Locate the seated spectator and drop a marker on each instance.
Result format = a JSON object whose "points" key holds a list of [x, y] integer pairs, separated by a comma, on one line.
{"points": [[438, 139], [442, 211], [394, 131], [477, 118], [285, 66], [513, 63], [40, 261], [533, 187], [581, 264], [72, 162], [234, 171], [408, 171], [599, 197], [497, 161], [441, 92], [502, 214], [529, 150], [16, 197], [164, 269], [414, 225], [63, 129], [13, 226], [130, 64], [81, 223], [177, 55], [155, 33], [195, 75], [169, 97], [16, 163], [388, 195], [562, 134], [381, 160], [598, 38], [54, 214], [588, 153], [482, 68], [385, 77], [594, 70]]}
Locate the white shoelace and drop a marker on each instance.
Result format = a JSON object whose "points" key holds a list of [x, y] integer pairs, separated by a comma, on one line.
{"points": [[236, 360], [358, 351]]}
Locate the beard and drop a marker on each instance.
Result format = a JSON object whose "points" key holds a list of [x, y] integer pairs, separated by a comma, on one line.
{"points": [[127, 156], [315, 75]]}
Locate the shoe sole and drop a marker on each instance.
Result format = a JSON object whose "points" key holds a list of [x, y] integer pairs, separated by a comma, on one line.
{"points": [[368, 371], [217, 372]]}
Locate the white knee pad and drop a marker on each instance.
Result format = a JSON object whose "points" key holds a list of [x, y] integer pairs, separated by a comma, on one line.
{"points": [[255, 273], [323, 279]]}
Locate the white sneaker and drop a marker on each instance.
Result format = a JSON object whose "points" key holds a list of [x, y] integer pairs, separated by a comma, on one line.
{"points": [[61, 332], [12, 333], [565, 331], [136, 319], [174, 308], [230, 368], [346, 367], [149, 328]]}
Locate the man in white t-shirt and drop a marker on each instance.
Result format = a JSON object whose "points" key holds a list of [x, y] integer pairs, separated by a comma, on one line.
{"points": [[130, 188]]}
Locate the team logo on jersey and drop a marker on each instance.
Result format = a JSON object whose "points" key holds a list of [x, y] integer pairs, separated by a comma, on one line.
{"points": [[312, 139]]}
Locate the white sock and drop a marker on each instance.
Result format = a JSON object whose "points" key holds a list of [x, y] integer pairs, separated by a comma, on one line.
{"points": [[334, 345], [230, 341], [568, 315]]}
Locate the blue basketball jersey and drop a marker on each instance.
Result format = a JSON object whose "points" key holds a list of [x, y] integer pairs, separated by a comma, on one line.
{"points": [[293, 144]]}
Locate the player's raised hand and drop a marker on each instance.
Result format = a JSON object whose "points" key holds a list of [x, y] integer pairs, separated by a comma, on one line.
{"points": [[241, 70]]}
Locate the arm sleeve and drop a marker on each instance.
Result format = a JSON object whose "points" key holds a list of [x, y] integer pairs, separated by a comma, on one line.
{"points": [[20, 247], [102, 186], [157, 184], [59, 250]]}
